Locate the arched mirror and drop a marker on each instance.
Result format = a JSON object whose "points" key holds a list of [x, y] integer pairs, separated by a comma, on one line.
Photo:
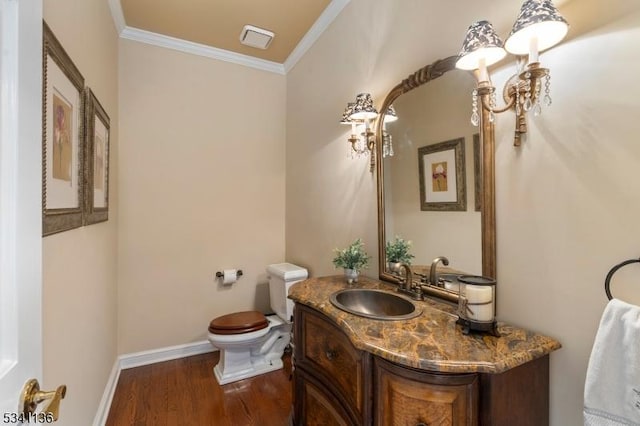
{"points": [[432, 137]]}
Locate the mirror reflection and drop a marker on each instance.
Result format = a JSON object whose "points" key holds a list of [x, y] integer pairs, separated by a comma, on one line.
{"points": [[432, 137]]}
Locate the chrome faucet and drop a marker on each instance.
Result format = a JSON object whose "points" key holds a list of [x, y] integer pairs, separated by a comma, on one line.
{"points": [[433, 274]]}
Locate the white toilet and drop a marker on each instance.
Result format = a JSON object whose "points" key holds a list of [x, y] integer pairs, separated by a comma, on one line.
{"points": [[251, 343]]}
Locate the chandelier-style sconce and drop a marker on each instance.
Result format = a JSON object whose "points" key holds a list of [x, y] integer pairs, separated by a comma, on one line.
{"points": [[359, 115], [539, 26]]}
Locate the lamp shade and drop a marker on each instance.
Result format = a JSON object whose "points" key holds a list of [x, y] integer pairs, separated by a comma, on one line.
{"points": [[538, 19], [363, 108], [390, 115], [347, 113], [481, 42]]}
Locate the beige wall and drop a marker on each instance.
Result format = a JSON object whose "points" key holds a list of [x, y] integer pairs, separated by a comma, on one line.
{"points": [[79, 266], [567, 203], [202, 189]]}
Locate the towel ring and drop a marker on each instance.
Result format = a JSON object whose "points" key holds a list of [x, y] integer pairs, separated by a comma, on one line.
{"points": [[613, 270]]}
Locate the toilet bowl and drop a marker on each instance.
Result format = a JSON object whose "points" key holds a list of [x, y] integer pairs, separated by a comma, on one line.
{"points": [[250, 342]]}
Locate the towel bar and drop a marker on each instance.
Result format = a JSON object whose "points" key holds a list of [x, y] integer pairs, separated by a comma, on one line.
{"points": [[613, 270]]}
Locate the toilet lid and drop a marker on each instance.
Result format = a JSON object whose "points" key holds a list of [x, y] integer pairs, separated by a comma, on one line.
{"points": [[238, 323]]}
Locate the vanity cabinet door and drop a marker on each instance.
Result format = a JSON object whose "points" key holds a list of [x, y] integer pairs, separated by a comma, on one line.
{"points": [[326, 353], [315, 406], [406, 397]]}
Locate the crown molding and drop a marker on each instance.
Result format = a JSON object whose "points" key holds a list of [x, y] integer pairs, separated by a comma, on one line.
{"points": [[329, 14], [322, 23], [160, 40], [117, 15]]}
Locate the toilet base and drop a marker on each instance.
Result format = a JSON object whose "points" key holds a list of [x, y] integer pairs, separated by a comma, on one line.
{"points": [[242, 360], [223, 379]]}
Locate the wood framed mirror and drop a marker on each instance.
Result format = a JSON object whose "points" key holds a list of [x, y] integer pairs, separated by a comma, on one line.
{"points": [[425, 104]]}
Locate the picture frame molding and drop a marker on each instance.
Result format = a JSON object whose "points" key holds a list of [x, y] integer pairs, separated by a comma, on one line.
{"points": [[457, 145]]}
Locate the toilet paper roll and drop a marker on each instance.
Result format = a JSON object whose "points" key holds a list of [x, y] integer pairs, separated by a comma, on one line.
{"points": [[230, 276]]}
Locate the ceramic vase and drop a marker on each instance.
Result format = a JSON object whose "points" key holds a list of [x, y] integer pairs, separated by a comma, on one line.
{"points": [[351, 275]]}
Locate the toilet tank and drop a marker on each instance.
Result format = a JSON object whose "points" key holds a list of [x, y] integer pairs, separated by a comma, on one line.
{"points": [[281, 277]]}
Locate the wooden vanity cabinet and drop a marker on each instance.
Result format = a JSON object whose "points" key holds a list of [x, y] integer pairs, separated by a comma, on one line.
{"points": [[337, 384], [331, 376], [404, 396]]}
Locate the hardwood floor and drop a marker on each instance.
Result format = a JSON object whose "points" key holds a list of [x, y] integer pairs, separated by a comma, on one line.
{"points": [[185, 392]]}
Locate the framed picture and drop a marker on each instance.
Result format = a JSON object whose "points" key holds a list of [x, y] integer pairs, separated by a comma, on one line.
{"points": [[96, 161], [62, 138], [477, 170], [442, 176]]}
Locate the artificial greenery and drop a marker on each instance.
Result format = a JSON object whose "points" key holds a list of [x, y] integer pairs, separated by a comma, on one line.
{"points": [[398, 251], [352, 257]]}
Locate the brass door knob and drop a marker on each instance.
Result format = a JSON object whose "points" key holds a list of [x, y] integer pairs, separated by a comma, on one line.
{"points": [[32, 396]]}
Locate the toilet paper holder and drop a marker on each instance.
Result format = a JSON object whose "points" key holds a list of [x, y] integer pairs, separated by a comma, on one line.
{"points": [[221, 274]]}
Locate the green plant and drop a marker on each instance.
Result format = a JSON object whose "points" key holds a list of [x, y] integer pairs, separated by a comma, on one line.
{"points": [[352, 257], [398, 251]]}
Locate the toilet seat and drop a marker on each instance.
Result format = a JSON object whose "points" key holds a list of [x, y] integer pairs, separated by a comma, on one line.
{"points": [[238, 323]]}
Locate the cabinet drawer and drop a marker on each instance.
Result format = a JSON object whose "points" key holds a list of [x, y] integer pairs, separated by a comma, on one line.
{"points": [[409, 397], [326, 352]]}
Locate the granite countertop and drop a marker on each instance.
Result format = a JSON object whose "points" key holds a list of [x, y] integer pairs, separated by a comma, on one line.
{"points": [[431, 341]]}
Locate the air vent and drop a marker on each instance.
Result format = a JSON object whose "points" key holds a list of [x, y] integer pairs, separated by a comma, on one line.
{"points": [[256, 37]]}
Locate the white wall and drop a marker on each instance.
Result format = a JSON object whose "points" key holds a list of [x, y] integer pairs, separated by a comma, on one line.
{"points": [[202, 189], [79, 266], [567, 204]]}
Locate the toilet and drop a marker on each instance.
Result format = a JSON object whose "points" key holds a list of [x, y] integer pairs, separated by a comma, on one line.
{"points": [[250, 342]]}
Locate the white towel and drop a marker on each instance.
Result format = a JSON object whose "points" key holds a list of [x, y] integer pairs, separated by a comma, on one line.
{"points": [[612, 386]]}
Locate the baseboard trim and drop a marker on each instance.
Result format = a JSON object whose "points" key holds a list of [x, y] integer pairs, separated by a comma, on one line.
{"points": [[107, 396], [138, 359]]}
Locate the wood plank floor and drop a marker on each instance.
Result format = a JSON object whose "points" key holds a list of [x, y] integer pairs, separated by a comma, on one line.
{"points": [[185, 392]]}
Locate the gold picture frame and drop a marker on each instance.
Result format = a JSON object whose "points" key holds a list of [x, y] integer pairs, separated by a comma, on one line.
{"points": [[63, 138], [97, 126], [442, 176]]}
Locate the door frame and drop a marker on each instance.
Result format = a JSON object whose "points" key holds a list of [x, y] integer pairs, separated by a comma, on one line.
{"points": [[20, 197]]}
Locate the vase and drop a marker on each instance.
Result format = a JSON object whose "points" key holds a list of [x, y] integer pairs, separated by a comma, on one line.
{"points": [[351, 275], [394, 266]]}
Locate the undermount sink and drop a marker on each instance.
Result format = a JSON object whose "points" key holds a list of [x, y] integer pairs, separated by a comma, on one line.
{"points": [[376, 304]]}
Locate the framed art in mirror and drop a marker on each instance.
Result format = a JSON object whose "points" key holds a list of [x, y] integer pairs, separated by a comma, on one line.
{"points": [[97, 161], [62, 139], [442, 176]]}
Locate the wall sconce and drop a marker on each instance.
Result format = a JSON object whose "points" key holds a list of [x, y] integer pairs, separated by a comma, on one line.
{"points": [[359, 114], [539, 26]]}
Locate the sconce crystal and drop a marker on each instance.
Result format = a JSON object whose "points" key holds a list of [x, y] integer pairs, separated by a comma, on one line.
{"points": [[539, 26]]}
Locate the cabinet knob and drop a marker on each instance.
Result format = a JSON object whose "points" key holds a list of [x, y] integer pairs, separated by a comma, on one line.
{"points": [[422, 424], [331, 354]]}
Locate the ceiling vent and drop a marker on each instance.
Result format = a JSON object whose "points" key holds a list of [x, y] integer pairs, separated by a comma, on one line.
{"points": [[256, 37]]}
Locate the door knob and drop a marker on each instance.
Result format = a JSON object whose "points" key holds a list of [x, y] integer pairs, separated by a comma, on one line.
{"points": [[32, 396]]}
